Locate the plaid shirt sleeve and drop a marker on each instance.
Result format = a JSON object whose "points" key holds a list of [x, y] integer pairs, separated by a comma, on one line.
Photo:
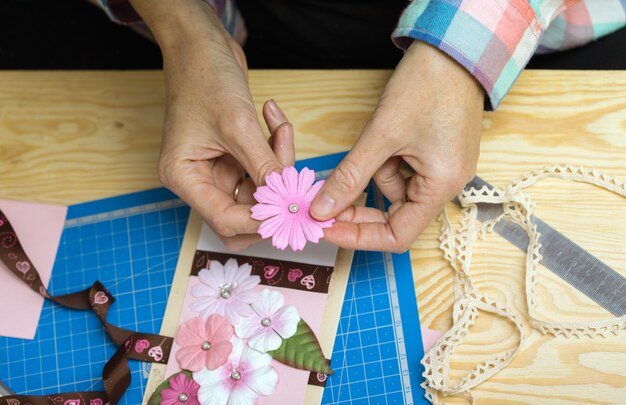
{"points": [[494, 42]]}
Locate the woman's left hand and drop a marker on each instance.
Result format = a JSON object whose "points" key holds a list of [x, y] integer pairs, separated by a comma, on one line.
{"points": [[429, 116]]}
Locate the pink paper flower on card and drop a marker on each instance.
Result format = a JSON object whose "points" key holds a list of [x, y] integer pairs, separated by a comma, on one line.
{"points": [[226, 290], [182, 391], [246, 375], [269, 323], [283, 206], [204, 343]]}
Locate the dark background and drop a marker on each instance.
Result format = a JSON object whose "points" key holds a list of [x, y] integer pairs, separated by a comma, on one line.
{"points": [[72, 34]]}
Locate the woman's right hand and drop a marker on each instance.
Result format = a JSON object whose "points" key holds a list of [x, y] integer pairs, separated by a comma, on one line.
{"points": [[212, 135]]}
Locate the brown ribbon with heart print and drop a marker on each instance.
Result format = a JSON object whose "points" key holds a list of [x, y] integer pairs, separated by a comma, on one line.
{"points": [[116, 374]]}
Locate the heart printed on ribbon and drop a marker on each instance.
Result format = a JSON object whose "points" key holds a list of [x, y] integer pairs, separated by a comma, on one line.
{"points": [[96, 401], [141, 345], [72, 402], [8, 239], [321, 377], [22, 267], [272, 274], [43, 292], [13, 402], [269, 272], [100, 298], [156, 353], [1, 221], [308, 282], [294, 275]]}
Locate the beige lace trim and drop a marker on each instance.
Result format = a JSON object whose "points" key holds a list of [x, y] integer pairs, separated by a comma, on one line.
{"points": [[457, 245]]}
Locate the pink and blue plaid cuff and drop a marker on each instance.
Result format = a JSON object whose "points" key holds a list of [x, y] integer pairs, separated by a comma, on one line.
{"points": [[493, 43]]}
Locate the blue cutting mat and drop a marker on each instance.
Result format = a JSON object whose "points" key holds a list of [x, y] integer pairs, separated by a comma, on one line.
{"points": [[378, 348], [131, 244]]}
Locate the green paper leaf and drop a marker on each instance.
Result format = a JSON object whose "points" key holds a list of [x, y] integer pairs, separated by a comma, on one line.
{"points": [[155, 399], [302, 351]]}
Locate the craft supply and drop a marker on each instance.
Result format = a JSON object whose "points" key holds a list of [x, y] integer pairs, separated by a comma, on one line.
{"points": [[40, 227], [118, 240], [457, 246], [274, 306], [131, 244], [115, 374], [562, 256], [283, 207]]}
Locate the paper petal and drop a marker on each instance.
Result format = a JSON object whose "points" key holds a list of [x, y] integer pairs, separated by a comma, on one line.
{"points": [[218, 328], [269, 303], [285, 321], [165, 396], [302, 351], [265, 195], [264, 380], [275, 183], [290, 179], [218, 354], [265, 340], [310, 195], [306, 178], [213, 389], [191, 332], [262, 212], [190, 358]]}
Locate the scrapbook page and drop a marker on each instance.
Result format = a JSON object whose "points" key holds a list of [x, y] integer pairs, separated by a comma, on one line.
{"points": [[255, 326]]}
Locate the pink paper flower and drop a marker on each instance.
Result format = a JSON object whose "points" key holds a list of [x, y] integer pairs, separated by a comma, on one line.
{"points": [[182, 391], [226, 290], [204, 343], [269, 322], [284, 209], [246, 375]]}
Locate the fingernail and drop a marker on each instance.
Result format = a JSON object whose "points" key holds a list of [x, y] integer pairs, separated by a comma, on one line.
{"points": [[323, 206], [271, 104]]}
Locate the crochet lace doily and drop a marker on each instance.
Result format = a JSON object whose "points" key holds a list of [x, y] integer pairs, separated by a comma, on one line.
{"points": [[457, 246]]}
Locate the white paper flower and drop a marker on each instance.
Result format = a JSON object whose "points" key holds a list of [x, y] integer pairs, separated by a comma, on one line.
{"points": [[269, 323], [246, 375], [226, 290]]}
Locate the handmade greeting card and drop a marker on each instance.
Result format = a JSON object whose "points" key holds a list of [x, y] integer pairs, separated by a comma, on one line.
{"points": [[256, 326]]}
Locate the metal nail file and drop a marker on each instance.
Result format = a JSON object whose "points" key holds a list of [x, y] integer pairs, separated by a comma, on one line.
{"points": [[563, 257]]}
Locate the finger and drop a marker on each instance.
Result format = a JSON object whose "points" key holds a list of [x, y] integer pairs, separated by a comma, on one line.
{"points": [[219, 210], [241, 242], [274, 115], [390, 180], [403, 227], [281, 130], [282, 143], [349, 179], [254, 153], [357, 214]]}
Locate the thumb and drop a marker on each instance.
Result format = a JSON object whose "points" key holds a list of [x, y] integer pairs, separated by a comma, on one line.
{"points": [[347, 182]]}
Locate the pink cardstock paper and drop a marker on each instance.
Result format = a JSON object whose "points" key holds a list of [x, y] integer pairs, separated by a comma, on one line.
{"points": [[429, 337], [39, 228]]}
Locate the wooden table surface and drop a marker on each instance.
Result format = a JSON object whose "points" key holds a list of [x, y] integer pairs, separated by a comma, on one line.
{"points": [[67, 137]]}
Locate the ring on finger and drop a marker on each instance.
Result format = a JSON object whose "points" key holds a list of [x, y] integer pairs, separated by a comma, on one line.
{"points": [[238, 187]]}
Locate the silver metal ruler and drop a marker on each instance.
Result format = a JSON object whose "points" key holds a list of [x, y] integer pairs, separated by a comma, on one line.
{"points": [[563, 257]]}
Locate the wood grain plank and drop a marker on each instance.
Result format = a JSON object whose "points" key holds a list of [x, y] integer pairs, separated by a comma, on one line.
{"points": [[67, 137]]}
